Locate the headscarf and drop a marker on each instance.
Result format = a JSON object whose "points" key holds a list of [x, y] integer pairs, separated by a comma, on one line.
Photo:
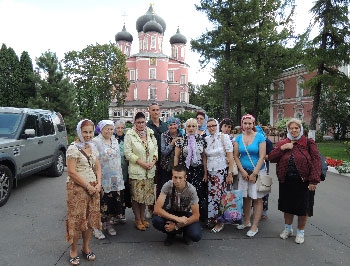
{"points": [[298, 122], [191, 145], [82, 142], [102, 124], [175, 120], [211, 138], [203, 127], [120, 122], [245, 117]]}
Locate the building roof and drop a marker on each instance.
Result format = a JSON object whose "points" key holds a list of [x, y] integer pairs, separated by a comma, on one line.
{"points": [[178, 37], [141, 21], [123, 36]]}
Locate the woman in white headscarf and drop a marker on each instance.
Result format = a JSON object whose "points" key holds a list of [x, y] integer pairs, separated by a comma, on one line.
{"points": [[219, 148], [83, 191], [298, 171], [112, 199]]}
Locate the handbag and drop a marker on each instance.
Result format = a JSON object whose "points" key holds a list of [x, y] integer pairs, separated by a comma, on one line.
{"points": [[231, 206], [264, 180]]}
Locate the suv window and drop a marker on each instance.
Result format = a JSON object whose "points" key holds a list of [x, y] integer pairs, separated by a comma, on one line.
{"points": [[33, 123], [58, 121], [47, 124], [8, 124]]}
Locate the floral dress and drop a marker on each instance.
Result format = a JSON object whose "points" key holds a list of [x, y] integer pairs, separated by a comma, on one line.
{"points": [[112, 201], [217, 147], [195, 170]]}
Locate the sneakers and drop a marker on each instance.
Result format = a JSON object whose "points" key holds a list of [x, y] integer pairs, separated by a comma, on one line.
{"points": [[110, 230], [285, 234], [242, 226], [251, 233], [299, 239], [98, 234]]}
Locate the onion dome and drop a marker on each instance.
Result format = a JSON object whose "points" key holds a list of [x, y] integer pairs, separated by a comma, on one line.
{"points": [[148, 16], [123, 36], [178, 38], [153, 25]]}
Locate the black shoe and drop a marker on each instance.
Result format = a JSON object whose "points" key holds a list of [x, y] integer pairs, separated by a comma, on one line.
{"points": [[187, 241], [169, 240]]}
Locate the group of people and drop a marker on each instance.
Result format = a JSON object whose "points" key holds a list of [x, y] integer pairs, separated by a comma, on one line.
{"points": [[180, 175]]}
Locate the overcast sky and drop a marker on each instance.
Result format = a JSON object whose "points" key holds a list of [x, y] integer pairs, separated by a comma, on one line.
{"points": [[36, 26]]}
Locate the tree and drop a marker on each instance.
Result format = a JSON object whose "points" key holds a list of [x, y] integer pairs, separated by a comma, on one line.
{"points": [[9, 77], [329, 50], [53, 90], [335, 112], [99, 75], [248, 44], [26, 79]]}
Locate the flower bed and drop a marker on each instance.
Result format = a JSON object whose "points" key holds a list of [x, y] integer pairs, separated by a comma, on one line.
{"points": [[341, 167]]}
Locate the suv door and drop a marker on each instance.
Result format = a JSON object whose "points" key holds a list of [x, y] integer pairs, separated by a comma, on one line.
{"points": [[31, 147]]}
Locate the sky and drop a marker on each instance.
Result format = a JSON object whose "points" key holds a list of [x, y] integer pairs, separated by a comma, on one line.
{"points": [[37, 26]]}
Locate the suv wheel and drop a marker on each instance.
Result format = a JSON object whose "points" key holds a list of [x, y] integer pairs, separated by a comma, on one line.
{"points": [[57, 167], [6, 180]]}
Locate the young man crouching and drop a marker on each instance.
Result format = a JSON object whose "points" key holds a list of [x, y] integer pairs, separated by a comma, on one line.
{"points": [[176, 210]]}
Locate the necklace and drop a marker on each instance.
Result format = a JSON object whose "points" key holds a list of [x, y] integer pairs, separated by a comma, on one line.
{"points": [[141, 133]]}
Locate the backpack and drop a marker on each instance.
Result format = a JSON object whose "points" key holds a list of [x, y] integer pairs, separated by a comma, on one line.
{"points": [[324, 166]]}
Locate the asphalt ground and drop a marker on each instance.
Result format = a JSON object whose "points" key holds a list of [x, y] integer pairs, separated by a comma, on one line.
{"points": [[32, 228]]}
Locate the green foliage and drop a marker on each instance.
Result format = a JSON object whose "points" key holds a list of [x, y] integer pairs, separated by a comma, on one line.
{"points": [[186, 115], [328, 49], [319, 136], [281, 124], [27, 79], [9, 77], [54, 91], [347, 147], [333, 149], [99, 75], [248, 45], [335, 111]]}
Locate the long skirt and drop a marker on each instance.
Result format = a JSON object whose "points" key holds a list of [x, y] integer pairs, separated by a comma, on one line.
{"points": [[295, 197], [83, 210], [142, 191], [195, 177], [112, 204], [216, 180]]}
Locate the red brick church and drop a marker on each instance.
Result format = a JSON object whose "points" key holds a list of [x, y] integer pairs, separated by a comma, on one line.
{"points": [[153, 75]]}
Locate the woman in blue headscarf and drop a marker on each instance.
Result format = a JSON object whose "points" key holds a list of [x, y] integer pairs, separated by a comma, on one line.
{"points": [[168, 139], [202, 120]]}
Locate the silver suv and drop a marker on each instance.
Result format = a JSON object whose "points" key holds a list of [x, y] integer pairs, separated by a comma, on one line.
{"points": [[31, 140]]}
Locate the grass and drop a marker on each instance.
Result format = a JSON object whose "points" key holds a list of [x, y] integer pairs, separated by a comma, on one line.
{"points": [[333, 149]]}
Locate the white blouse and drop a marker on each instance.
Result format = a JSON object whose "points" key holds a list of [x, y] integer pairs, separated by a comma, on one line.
{"points": [[217, 146]]}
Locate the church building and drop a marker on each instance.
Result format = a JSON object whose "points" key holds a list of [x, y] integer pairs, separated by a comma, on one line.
{"points": [[153, 75]]}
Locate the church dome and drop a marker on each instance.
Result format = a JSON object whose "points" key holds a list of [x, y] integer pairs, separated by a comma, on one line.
{"points": [[123, 36], [148, 16], [178, 38], [153, 25]]}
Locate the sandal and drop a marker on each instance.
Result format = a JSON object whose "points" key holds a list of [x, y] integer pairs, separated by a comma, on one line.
{"points": [[217, 228], [89, 256], [74, 261], [145, 223], [139, 225]]}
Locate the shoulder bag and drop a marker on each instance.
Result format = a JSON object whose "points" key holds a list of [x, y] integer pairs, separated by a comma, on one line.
{"points": [[264, 181]]}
